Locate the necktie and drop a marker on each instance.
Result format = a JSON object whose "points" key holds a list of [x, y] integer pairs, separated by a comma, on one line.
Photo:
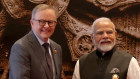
{"points": [[49, 60]]}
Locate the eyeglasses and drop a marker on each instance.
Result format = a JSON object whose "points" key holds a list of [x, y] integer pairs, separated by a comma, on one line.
{"points": [[43, 22]]}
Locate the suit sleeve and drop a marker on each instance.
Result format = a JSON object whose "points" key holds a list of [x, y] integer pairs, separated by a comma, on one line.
{"points": [[19, 63]]}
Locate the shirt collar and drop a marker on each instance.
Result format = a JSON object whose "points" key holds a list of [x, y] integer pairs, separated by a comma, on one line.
{"points": [[40, 41]]}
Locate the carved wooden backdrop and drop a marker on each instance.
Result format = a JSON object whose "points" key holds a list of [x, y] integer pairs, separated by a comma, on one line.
{"points": [[73, 30]]}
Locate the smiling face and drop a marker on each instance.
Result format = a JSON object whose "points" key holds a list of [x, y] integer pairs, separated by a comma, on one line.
{"points": [[104, 35], [43, 32]]}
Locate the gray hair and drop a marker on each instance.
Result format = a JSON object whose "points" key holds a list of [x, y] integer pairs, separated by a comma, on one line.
{"points": [[99, 20], [41, 7]]}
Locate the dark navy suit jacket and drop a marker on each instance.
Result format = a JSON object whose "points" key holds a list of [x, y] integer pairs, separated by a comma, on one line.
{"points": [[28, 61]]}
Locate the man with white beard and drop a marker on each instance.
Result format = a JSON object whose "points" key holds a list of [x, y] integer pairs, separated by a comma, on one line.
{"points": [[106, 62]]}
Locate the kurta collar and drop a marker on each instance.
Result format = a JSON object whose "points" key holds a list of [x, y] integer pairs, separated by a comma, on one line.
{"points": [[99, 54]]}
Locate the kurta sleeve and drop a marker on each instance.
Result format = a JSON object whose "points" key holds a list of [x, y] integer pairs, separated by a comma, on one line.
{"points": [[133, 69], [76, 74]]}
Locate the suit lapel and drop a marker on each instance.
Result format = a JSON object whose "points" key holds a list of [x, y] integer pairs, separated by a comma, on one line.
{"points": [[39, 53]]}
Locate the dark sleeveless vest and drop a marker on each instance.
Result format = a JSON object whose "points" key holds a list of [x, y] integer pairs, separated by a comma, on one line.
{"points": [[96, 66]]}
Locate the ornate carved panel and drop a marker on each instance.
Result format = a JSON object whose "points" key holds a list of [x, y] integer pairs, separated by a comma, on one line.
{"points": [[126, 20], [76, 23]]}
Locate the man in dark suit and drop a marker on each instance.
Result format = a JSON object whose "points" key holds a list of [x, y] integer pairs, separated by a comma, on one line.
{"points": [[28, 56]]}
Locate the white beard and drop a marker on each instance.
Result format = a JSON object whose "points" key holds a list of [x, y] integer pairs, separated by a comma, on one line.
{"points": [[105, 47]]}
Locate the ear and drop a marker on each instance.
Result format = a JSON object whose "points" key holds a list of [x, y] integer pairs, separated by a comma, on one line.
{"points": [[31, 22], [115, 33], [91, 35]]}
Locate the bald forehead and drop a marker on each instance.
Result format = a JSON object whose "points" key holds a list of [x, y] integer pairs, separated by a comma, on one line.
{"points": [[104, 24]]}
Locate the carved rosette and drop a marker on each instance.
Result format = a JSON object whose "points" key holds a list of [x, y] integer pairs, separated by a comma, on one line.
{"points": [[78, 36], [18, 8], [15, 8]]}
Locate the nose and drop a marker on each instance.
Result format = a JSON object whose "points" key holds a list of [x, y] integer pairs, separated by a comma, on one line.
{"points": [[105, 35], [46, 25]]}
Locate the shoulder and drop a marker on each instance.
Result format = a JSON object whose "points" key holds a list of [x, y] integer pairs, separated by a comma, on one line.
{"points": [[84, 56], [19, 44], [24, 42], [87, 56], [26, 39], [54, 43], [123, 53], [21, 41]]}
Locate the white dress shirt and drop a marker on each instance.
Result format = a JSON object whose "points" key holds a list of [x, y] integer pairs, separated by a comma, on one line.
{"points": [[133, 70]]}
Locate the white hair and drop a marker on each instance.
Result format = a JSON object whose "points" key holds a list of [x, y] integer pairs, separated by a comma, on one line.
{"points": [[99, 20]]}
